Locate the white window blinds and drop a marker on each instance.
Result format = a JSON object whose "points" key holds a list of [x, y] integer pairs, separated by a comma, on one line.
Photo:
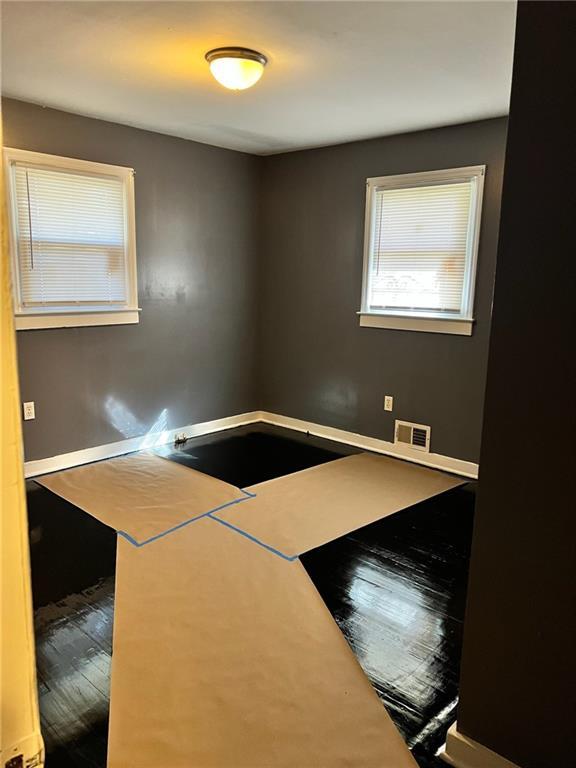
{"points": [[71, 238], [421, 253], [73, 241]]}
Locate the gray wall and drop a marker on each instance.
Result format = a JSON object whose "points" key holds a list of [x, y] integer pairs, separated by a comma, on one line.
{"points": [[193, 351], [518, 692], [249, 274], [315, 362]]}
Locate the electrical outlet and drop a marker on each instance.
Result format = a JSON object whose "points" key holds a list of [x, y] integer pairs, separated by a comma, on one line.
{"points": [[388, 402], [29, 412]]}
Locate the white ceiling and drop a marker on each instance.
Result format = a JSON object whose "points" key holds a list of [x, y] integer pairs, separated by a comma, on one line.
{"points": [[338, 71]]}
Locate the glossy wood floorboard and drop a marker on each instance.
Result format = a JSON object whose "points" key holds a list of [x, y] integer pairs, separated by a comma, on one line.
{"points": [[396, 588], [397, 591]]}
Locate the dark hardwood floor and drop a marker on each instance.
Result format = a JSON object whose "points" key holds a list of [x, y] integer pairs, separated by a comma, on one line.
{"points": [[396, 589], [73, 560], [74, 652]]}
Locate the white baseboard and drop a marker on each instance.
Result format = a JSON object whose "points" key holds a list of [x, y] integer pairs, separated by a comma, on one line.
{"points": [[30, 747], [435, 460], [463, 752], [108, 451]]}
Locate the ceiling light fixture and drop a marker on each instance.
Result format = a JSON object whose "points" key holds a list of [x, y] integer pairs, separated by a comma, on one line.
{"points": [[236, 68]]}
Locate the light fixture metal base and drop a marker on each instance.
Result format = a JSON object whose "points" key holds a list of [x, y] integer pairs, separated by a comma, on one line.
{"points": [[236, 52]]}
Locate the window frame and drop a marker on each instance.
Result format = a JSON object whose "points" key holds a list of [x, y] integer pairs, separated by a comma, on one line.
{"points": [[421, 320], [64, 317]]}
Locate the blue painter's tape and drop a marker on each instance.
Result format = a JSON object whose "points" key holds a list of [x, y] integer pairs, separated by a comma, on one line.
{"points": [[249, 536], [246, 497], [128, 537]]}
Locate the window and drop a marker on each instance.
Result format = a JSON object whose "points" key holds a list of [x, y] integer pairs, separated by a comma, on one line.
{"points": [[72, 241], [421, 244]]}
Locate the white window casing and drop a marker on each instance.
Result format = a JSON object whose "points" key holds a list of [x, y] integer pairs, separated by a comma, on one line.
{"points": [[420, 250], [73, 241]]}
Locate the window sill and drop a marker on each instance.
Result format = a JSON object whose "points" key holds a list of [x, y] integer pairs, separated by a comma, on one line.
{"points": [[29, 322], [411, 323]]}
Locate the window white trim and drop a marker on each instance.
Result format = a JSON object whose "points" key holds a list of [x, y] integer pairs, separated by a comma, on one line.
{"points": [[61, 317], [457, 327], [30, 322], [460, 324]]}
